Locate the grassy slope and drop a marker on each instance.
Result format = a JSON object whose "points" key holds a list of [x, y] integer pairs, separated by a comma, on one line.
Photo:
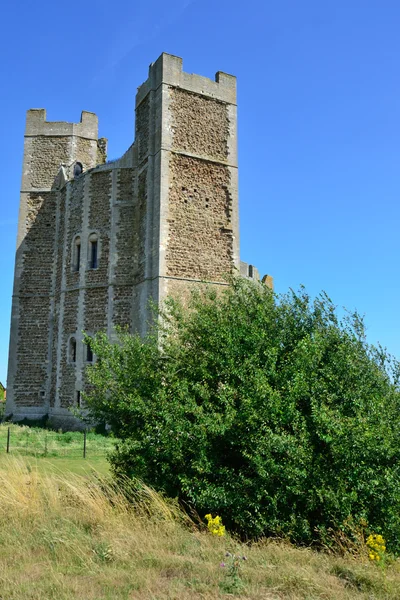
{"points": [[61, 537], [64, 451]]}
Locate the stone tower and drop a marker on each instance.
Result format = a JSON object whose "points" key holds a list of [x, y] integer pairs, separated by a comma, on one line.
{"points": [[97, 240]]}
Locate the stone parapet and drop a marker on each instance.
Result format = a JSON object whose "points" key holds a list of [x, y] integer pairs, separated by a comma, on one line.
{"points": [[36, 124], [168, 70]]}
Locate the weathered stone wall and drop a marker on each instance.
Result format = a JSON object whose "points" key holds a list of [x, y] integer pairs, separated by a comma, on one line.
{"points": [[143, 129], [122, 306], [202, 194], [84, 152], [200, 125], [31, 375], [53, 350], [88, 212], [124, 249], [139, 231], [74, 229], [96, 303], [200, 243], [38, 247], [67, 368], [34, 302], [60, 241], [47, 155], [99, 222], [59, 251]]}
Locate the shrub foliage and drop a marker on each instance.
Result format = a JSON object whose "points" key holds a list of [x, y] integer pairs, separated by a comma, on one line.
{"points": [[267, 410]]}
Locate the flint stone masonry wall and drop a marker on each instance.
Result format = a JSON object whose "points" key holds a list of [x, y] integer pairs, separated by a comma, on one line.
{"points": [[57, 281], [139, 230], [124, 255], [85, 151], [99, 223], [200, 232], [68, 375], [34, 298], [31, 373], [47, 155], [96, 300], [125, 216], [74, 230], [165, 215], [142, 129], [40, 233], [200, 125]]}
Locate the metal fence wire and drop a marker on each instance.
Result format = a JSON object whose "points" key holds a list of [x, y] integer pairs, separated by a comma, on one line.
{"points": [[36, 442]]}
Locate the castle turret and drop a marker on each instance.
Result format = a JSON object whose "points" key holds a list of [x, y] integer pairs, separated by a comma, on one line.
{"points": [[187, 160], [51, 150]]}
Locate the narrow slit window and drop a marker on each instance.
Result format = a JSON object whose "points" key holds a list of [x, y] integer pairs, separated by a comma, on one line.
{"points": [[93, 252], [77, 254], [78, 399], [89, 353], [72, 350]]}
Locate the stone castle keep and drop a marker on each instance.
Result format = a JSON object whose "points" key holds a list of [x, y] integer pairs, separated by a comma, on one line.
{"points": [[97, 240]]}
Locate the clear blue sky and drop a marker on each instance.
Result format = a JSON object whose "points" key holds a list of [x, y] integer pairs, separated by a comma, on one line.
{"points": [[319, 128]]}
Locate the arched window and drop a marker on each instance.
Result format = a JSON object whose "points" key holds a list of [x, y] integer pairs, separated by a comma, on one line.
{"points": [[78, 169], [76, 254], [72, 350], [93, 251]]}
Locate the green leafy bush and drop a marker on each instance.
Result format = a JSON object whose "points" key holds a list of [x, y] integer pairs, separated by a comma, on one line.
{"points": [[267, 410]]}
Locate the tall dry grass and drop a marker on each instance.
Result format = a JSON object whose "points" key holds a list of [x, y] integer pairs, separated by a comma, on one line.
{"points": [[65, 536]]}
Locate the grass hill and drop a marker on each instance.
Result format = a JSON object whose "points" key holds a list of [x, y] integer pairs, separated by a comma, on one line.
{"points": [[65, 536]]}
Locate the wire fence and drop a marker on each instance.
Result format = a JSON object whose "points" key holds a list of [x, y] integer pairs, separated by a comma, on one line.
{"points": [[30, 441]]}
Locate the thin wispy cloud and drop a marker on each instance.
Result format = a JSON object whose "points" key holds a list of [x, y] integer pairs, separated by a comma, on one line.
{"points": [[127, 38]]}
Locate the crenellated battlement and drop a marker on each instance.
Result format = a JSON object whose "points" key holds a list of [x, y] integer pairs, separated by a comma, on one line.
{"points": [[168, 69], [51, 144], [36, 124]]}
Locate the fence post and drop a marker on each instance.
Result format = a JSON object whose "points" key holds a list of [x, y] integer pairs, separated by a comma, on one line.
{"points": [[45, 444], [8, 440], [84, 444]]}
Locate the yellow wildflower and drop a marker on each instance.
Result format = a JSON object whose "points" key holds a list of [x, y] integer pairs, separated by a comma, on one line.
{"points": [[214, 525], [376, 546]]}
